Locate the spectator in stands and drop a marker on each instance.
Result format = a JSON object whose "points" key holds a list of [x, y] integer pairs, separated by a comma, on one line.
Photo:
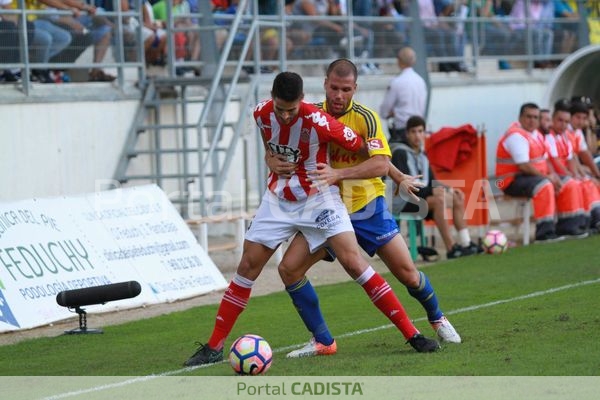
{"points": [[458, 11], [187, 41], [405, 96], [410, 159], [154, 36], [496, 35], [523, 170], [566, 27], [220, 7], [390, 35], [48, 39], [129, 25], [364, 29], [8, 34], [9, 43], [541, 13], [269, 37], [322, 31], [86, 24], [439, 36], [592, 9]]}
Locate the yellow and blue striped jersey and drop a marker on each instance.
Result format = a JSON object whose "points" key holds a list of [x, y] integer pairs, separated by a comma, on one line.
{"points": [[357, 193]]}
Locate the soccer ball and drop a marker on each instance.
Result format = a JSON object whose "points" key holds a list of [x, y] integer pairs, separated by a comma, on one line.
{"points": [[250, 355], [495, 242]]}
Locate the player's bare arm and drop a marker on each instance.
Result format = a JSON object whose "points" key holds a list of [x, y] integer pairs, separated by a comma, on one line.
{"points": [[373, 167]]}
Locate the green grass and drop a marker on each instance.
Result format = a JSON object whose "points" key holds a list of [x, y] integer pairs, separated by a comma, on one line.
{"points": [[505, 332]]}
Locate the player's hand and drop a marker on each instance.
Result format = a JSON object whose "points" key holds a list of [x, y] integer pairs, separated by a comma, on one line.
{"points": [[279, 165], [409, 186], [324, 175]]}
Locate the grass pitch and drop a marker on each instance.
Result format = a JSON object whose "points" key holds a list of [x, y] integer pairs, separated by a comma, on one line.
{"points": [[532, 311]]}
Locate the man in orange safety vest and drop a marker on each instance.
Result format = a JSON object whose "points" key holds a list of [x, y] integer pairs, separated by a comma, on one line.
{"points": [[522, 170]]}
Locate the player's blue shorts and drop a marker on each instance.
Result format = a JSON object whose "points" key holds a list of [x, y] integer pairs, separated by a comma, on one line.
{"points": [[374, 225]]}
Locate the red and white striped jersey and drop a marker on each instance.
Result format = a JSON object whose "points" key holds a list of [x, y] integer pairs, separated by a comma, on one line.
{"points": [[304, 141]]}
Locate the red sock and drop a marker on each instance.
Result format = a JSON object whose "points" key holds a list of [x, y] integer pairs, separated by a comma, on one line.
{"points": [[232, 304], [383, 297]]}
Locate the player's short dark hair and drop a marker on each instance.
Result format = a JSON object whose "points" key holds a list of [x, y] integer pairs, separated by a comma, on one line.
{"points": [[287, 86], [342, 67], [585, 100], [528, 106], [563, 105], [415, 121], [579, 107]]}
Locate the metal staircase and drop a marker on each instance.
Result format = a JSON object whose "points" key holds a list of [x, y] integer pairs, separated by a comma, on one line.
{"points": [[186, 130]]}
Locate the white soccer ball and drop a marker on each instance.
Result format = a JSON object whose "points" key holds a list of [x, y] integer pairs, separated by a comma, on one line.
{"points": [[495, 242], [250, 355]]}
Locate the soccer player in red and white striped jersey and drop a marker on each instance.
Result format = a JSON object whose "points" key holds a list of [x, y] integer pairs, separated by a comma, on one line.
{"points": [[291, 204]]}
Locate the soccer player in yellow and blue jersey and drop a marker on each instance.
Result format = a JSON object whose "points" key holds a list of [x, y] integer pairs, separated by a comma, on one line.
{"points": [[362, 190]]}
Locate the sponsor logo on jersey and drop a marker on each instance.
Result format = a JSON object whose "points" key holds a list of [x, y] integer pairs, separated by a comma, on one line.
{"points": [[319, 119], [339, 155], [305, 135], [260, 105], [349, 135], [375, 144], [292, 155]]}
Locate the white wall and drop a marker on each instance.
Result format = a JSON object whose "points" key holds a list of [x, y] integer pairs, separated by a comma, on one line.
{"points": [[52, 149]]}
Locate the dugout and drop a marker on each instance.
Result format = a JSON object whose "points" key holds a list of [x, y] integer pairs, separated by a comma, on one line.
{"points": [[577, 75]]}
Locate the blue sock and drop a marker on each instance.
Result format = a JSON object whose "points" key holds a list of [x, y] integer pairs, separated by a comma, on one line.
{"points": [[425, 294], [306, 302]]}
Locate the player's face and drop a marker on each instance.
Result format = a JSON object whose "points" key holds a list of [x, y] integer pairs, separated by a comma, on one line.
{"points": [[415, 137], [286, 111], [579, 120], [530, 119], [560, 121], [545, 121], [338, 93]]}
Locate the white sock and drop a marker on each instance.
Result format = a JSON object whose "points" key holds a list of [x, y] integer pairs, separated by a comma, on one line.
{"points": [[464, 238], [243, 282], [365, 276]]}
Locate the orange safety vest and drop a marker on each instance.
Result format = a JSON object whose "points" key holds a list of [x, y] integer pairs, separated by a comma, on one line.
{"points": [[564, 151], [590, 189], [575, 141], [506, 168]]}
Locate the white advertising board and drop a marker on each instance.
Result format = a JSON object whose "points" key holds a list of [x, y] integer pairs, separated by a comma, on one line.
{"points": [[57, 244]]}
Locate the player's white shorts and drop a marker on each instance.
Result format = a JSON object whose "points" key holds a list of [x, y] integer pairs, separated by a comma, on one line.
{"points": [[319, 217]]}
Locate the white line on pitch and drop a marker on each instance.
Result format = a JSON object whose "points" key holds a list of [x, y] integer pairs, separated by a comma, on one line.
{"points": [[286, 348]]}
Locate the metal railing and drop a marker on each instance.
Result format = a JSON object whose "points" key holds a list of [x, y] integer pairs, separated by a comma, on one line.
{"points": [[467, 32]]}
